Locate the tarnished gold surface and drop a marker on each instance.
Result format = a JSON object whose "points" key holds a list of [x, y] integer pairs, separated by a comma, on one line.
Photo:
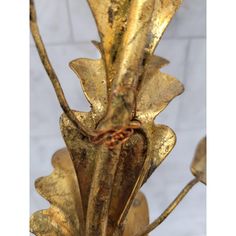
{"points": [[163, 12], [131, 172], [116, 146], [198, 166], [92, 75], [64, 216], [138, 216], [62, 191]]}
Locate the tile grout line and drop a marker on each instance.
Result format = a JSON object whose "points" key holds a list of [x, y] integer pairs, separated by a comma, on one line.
{"points": [[74, 42], [70, 41], [183, 81], [186, 59], [72, 36]]}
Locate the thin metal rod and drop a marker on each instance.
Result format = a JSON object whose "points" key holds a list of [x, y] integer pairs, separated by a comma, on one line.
{"points": [[50, 71], [169, 209]]}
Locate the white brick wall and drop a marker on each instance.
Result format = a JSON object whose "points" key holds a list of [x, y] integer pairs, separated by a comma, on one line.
{"points": [[67, 26]]}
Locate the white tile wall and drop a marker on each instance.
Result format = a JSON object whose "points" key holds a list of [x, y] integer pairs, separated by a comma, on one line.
{"points": [[190, 20], [191, 113], [175, 51], [54, 20], [168, 180], [67, 27], [83, 23], [45, 110]]}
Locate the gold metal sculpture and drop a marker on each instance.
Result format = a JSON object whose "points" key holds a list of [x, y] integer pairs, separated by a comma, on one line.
{"points": [[112, 150]]}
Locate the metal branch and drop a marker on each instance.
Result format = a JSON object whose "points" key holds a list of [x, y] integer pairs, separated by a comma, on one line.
{"points": [[50, 71], [169, 209]]}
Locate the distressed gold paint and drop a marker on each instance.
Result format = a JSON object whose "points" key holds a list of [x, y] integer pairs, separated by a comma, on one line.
{"points": [[114, 148]]}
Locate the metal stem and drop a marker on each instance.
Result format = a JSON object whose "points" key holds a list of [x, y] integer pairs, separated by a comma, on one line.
{"points": [[169, 209], [50, 71]]}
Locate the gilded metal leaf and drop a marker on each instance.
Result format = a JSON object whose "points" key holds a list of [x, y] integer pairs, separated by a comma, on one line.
{"points": [[198, 166], [127, 67], [82, 152], [111, 19], [61, 218], [157, 62], [118, 146], [138, 216], [160, 138], [92, 75], [163, 12], [132, 157], [65, 216], [161, 141], [157, 89]]}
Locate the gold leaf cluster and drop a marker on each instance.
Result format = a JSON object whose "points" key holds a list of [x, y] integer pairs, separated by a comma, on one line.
{"points": [[95, 192]]}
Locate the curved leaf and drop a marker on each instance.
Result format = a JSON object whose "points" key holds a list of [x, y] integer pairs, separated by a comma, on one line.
{"points": [[93, 79], [161, 141], [65, 216], [132, 157], [81, 150], [111, 18], [156, 91], [138, 216], [163, 12]]}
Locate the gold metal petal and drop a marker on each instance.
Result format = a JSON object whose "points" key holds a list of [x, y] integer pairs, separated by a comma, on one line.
{"points": [[160, 141], [130, 165], [85, 157], [128, 66], [157, 62], [92, 75], [97, 188], [138, 216], [81, 150], [198, 166], [112, 16], [163, 12], [157, 89], [51, 222], [101, 188], [111, 19], [62, 191]]}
